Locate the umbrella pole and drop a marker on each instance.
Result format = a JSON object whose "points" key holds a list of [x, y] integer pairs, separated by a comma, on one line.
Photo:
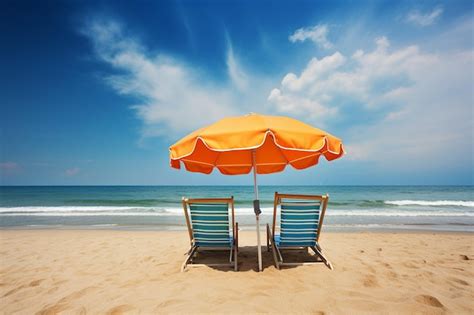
{"points": [[257, 210]]}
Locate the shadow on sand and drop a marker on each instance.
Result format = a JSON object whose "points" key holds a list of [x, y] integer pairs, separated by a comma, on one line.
{"points": [[248, 259]]}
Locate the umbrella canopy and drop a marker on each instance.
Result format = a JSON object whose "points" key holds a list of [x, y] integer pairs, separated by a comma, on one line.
{"points": [[266, 144], [276, 141]]}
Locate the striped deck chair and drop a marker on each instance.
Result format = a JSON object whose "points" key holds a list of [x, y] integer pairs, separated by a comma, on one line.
{"points": [[209, 229], [301, 219]]}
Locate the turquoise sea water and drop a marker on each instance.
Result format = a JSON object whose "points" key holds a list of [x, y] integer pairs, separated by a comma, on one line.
{"points": [[448, 208]]}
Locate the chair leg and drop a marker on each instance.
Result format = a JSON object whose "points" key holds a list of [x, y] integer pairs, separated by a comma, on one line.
{"points": [[236, 246], [268, 238], [236, 266], [317, 251], [279, 253], [189, 256], [237, 235], [275, 259], [273, 247]]}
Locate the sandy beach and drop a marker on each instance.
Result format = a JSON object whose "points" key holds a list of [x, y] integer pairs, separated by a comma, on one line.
{"points": [[82, 271]]}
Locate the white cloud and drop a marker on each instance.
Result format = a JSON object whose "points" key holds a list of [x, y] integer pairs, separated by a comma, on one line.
{"points": [[297, 94], [406, 106], [372, 79], [315, 70], [435, 126], [421, 103], [318, 34], [298, 105], [424, 19], [72, 171], [175, 98]]}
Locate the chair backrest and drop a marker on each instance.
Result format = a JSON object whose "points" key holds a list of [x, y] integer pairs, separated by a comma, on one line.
{"points": [[208, 221], [301, 218]]}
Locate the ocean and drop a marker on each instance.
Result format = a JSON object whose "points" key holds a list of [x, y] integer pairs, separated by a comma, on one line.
{"points": [[431, 208]]}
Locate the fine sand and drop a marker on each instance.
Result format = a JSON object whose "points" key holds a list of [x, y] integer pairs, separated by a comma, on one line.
{"points": [[69, 271]]}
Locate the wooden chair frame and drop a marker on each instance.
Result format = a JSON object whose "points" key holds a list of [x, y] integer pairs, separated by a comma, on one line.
{"points": [[188, 262], [271, 245]]}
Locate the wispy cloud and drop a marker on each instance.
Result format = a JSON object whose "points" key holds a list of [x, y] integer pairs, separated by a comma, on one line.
{"points": [[317, 34], [234, 69], [424, 19], [174, 95], [72, 171]]}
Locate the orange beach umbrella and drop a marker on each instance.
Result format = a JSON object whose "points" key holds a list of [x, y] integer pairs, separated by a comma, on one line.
{"points": [[264, 144]]}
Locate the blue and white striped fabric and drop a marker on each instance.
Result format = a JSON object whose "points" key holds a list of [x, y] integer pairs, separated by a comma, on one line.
{"points": [[211, 224], [298, 224]]}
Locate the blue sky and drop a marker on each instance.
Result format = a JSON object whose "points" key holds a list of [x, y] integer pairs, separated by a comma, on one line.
{"points": [[94, 92]]}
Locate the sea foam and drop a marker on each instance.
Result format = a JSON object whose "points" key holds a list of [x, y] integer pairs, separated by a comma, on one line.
{"points": [[457, 203], [78, 211]]}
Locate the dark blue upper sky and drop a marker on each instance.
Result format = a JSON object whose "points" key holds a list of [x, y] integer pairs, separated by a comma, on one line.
{"points": [[94, 92]]}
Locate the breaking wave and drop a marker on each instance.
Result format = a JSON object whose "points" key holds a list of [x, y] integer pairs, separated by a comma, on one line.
{"points": [[435, 203]]}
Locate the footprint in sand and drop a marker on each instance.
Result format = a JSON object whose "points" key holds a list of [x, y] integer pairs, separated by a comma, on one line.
{"points": [[36, 283], [65, 302], [14, 290], [55, 309], [428, 300], [386, 265], [391, 275], [370, 281], [460, 281], [120, 309], [52, 290], [168, 303], [410, 265]]}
